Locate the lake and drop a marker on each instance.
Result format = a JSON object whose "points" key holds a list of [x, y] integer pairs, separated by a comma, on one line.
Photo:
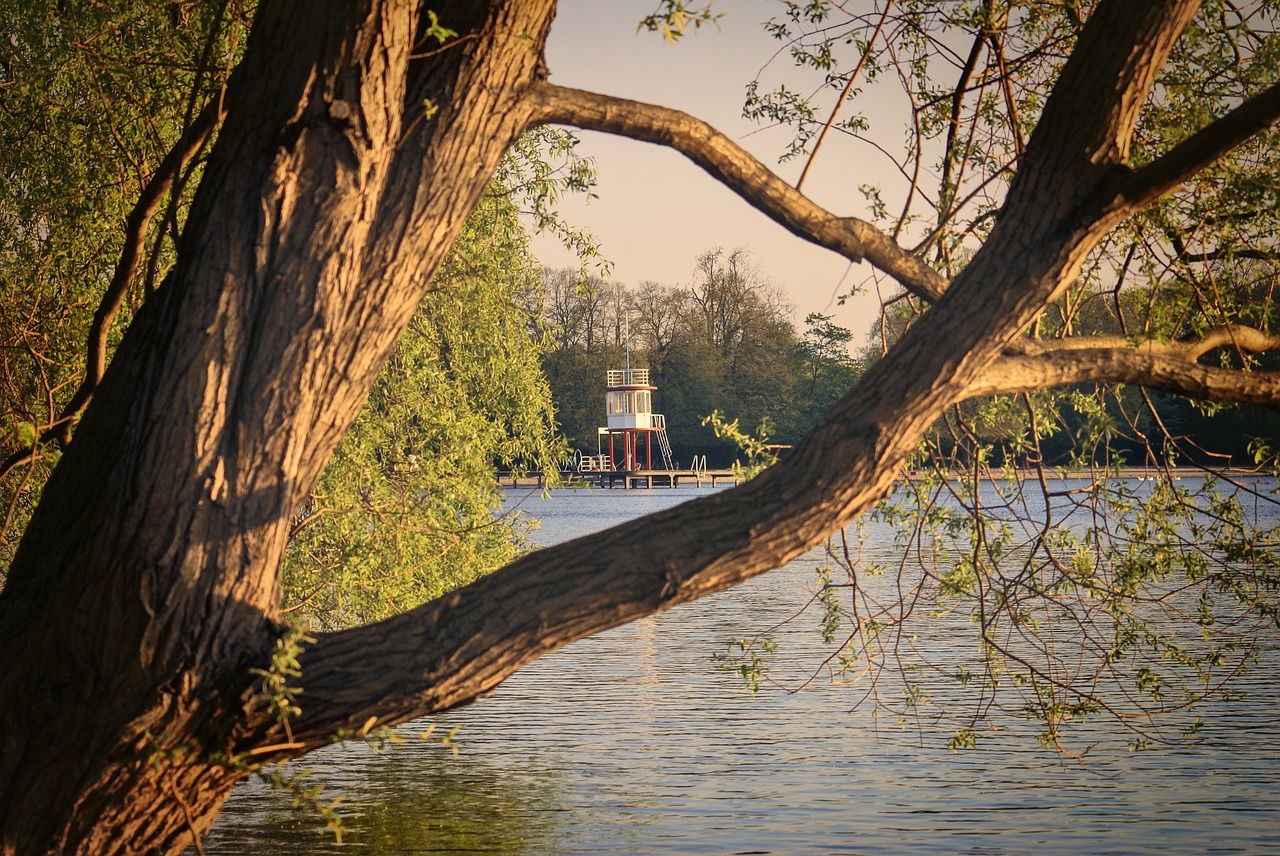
{"points": [[633, 741]]}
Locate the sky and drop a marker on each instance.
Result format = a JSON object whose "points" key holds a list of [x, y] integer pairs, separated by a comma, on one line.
{"points": [[656, 212]]}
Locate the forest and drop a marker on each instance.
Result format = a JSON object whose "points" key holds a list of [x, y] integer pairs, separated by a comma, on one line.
{"points": [[728, 344]]}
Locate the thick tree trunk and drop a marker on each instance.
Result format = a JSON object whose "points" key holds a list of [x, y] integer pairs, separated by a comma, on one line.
{"points": [[147, 583], [146, 586]]}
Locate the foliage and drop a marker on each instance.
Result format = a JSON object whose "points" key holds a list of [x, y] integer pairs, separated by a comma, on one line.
{"points": [[674, 18], [92, 97], [537, 172], [276, 691], [405, 509], [1089, 593], [829, 370], [756, 447]]}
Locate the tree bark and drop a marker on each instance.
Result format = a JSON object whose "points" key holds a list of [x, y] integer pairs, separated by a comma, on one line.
{"points": [[146, 587]]}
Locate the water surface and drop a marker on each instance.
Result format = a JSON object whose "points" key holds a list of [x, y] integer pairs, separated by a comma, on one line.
{"points": [[633, 742]]}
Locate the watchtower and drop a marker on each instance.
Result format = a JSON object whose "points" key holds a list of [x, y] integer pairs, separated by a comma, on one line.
{"points": [[628, 404]]}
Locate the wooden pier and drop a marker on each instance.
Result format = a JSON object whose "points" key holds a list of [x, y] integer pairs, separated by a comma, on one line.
{"points": [[626, 479]]}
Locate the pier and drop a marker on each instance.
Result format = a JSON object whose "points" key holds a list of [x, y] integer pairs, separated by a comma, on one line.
{"points": [[626, 479]]}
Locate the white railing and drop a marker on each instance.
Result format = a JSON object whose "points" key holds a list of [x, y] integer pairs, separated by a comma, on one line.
{"points": [[593, 464], [626, 377]]}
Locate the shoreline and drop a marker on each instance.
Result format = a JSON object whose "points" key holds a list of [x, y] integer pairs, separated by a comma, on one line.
{"points": [[1151, 473]]}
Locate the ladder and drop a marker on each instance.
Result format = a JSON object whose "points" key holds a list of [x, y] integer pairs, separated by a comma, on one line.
{"points": [[660, 422]]}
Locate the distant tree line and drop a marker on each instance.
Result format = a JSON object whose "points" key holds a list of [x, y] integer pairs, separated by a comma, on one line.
{"points": [[726, 343]]}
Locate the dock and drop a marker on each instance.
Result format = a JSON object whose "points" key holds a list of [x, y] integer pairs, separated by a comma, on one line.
{"points": [[626, 479]]}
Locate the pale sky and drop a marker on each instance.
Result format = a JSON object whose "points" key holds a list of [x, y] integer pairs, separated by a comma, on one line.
{"points": [[656, 212]]}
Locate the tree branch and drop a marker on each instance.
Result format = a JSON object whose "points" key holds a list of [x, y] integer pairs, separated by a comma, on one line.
{"points": [[738, 170], [1136, 189], [1223, 253], [1025, 373], [1238, 336], [844, 94], [459, 647], [192, 140], [462, 645]]}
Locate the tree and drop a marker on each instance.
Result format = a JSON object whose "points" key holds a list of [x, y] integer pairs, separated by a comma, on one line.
{"points": [[743, 325], [828, 367], [145, 589]]}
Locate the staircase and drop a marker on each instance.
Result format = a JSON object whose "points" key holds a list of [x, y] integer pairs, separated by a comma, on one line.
{"points": [[660, 422]]}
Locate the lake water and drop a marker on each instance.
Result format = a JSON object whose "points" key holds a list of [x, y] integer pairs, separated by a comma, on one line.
{"points": [[632, 741]]}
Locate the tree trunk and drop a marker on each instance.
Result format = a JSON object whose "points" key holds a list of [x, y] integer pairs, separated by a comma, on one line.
{"points": [[147, 583]]}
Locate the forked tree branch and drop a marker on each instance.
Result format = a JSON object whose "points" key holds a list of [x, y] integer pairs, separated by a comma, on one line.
{"points": [[1168, 366], [462, 645], [1135, 189], [742, 173]]}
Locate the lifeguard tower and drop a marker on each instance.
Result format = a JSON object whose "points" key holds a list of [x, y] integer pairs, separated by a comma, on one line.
{"points": [[631, 423]]}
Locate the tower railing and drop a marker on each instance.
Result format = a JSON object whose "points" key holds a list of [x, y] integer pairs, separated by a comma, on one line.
{"points": [[627, 377]]}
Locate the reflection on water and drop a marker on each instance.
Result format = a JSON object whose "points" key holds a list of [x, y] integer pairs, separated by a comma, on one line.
{"points": [[632, 742]]}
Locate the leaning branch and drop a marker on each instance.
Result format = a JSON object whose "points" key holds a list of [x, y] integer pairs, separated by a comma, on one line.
{"points": [[192, 140], [1225, 253], [1174, 374], [460, 646], [738, 170]]}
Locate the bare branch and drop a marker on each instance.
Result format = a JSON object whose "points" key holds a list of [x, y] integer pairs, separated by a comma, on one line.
{"points": [[1223, 253], [1238, 336], [738, 170], [1024, 373], [844, 94]]}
